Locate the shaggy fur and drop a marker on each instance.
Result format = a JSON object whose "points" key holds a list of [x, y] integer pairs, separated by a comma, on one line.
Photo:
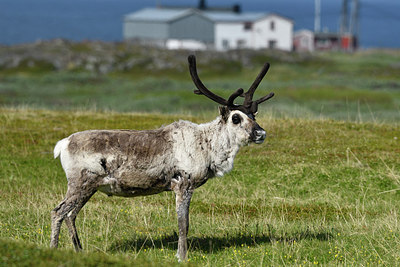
{"points": [[179, 157]]}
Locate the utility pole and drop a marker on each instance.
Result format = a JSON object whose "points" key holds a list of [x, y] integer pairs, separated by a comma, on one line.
{"points": [[354, 22], [317, 19], [344, 20], [354, 18]]}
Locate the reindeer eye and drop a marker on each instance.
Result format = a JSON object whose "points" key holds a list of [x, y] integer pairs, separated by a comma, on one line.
{"points": [[236, 119]]}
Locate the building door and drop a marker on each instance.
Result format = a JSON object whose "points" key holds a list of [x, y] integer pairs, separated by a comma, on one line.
{"points": [[271, 44]]}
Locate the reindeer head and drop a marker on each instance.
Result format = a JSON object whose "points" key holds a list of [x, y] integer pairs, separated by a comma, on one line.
{"points": [[236, 116]]}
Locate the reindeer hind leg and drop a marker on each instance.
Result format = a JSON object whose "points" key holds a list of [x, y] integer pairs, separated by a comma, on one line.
{"points": [[71, 217], [56, 221], [79, 192]]}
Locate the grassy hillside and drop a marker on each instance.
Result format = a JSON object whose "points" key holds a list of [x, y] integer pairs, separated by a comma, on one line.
{"points": [[363, 86], [316, 192]]}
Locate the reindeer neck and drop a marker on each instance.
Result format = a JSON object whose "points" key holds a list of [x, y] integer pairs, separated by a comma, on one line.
{"points": [[222, 146]]}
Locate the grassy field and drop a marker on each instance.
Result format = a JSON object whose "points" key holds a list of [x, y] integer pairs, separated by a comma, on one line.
{"points": [[317, 192], [324, 189], [360, 87]]}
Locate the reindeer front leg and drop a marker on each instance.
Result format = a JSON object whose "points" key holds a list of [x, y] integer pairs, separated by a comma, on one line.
{"points": [[183, 188]]}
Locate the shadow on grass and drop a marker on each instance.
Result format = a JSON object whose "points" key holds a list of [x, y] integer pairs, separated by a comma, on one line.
{"points": [[210, 244]]}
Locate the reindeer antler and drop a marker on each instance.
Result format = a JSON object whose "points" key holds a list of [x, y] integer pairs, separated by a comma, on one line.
{"points": [[249, 106], [248, 96], [202, 90]]}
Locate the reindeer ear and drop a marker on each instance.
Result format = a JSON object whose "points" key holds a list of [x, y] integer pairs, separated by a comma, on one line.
{"points": [[224, 112]]}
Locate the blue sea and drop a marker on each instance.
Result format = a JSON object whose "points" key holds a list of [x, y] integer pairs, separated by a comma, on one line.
{"points": [[23, 21]]}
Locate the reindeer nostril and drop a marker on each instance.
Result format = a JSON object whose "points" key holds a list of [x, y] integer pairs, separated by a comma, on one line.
{"points": [[261, 133], [259, 136]]}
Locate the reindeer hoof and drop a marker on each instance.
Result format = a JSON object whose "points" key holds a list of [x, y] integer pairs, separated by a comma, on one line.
{"points": [[181, 258]]}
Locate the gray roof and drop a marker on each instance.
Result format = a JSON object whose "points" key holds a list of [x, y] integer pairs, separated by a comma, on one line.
{"points": [[158, 14], [167, 15]]}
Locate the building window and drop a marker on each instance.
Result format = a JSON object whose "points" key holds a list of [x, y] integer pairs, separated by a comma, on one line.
{"points": [[272, 25], [225, 44], [248, 26], [241, 43], [272, 44]]}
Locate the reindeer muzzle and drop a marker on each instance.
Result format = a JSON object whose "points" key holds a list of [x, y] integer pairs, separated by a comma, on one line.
{"points": [[258, 135]]}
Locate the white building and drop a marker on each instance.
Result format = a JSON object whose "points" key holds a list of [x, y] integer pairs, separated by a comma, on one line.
{"points": [[251, 30], [303, 41], [220, 30]]}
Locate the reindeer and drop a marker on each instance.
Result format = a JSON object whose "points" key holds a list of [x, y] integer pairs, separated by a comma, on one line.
{"points": [[179, 157]]}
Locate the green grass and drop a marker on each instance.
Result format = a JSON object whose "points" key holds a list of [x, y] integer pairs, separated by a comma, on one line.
{"points": [[360, 87], [17, 253], [323, 189], [318, 191]]}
